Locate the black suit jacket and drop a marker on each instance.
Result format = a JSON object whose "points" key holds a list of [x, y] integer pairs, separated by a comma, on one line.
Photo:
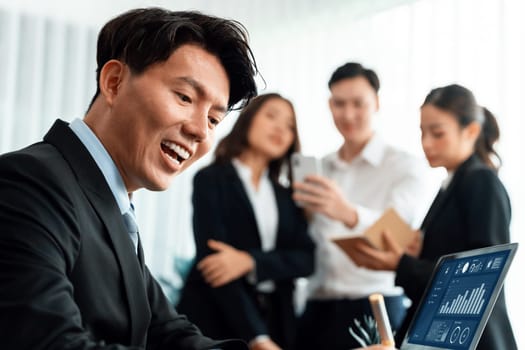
{"points": [[473, 212], [222, 211], [69, 275]]}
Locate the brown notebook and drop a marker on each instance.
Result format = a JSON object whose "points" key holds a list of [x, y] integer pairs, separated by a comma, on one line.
{"points": [[400, 231]]}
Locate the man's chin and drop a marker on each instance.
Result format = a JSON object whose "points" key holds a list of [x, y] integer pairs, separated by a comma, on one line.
{"points": [[159, 185], [164, 180]]}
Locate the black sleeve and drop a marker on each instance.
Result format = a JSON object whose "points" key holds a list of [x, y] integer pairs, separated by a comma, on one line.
{"points": [[413, 275], [169, 330]]}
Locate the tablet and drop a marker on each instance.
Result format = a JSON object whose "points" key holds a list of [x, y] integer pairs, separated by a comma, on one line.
{"points": [[459, 299]]}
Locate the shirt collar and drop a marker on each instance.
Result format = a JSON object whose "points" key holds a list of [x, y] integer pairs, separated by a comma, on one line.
{"points": [[104, 163], [372, 153], [245, 172], [374, 150], [447, 180]]}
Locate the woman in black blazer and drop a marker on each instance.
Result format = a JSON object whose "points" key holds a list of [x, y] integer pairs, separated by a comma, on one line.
{"points": [[471, 210], [251, 238]]}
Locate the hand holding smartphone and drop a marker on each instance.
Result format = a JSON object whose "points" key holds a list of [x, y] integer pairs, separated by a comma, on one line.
{"points": [[302, 166]]}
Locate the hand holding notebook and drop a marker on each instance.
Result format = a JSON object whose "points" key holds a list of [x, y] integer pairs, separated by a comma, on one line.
{"points": [[390, 221]]}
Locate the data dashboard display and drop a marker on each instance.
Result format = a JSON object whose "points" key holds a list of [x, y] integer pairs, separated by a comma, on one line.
{"points": [[453, 307]]}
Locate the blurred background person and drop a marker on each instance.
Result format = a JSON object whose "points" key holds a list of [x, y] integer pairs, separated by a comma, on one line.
{"points": [[472, 209], [362, 179], [251, 238]]}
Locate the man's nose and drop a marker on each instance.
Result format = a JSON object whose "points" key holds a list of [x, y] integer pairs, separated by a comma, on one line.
{"points": [[197, 126], [349, 113]]}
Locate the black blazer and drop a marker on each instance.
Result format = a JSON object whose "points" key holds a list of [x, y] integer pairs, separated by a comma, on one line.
{"points": [[69, 275], [222, 211], [473, 212]]}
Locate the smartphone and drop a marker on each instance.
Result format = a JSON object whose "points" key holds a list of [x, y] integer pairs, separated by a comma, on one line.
{"points": [[303, 166]]}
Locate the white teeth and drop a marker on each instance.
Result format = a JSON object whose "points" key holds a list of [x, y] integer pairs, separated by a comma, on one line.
{"points": [[173, 159], [181, 152]]}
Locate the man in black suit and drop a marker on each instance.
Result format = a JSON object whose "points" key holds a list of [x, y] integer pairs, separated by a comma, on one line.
{"points": [[72, 273]]}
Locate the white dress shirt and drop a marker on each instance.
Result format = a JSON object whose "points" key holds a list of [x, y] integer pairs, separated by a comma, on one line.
{"points": [[378, 178], [265, 210], [447, 180]]}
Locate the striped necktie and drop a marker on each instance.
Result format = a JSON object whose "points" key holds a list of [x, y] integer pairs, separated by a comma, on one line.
{"points": [[131, 225]]}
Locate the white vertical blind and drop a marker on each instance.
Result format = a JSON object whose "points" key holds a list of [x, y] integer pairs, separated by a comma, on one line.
{"points": [[47, 70]]}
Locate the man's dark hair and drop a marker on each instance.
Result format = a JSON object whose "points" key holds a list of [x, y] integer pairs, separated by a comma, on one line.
{"points": [[143, 37], [353, 70]]}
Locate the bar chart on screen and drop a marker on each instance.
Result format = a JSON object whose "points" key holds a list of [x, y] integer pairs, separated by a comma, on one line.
{"points": [[468, 303]]}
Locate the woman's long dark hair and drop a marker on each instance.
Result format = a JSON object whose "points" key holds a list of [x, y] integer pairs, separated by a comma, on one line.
{"points": [[461, 103], [236, 141]]}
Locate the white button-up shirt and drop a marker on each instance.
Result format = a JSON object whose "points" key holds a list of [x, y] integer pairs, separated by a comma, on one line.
{"points": [[378, 178]]}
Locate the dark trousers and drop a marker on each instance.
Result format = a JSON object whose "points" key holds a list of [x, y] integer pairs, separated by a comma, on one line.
{"points": [[325, 323], [281, 326]]}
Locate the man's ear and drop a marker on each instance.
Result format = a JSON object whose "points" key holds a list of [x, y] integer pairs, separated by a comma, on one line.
{"points": [[377, 102], [331, 103], [111, 75]]}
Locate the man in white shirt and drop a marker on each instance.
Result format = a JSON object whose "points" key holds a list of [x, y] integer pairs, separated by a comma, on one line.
{"points": [[360, 181]]}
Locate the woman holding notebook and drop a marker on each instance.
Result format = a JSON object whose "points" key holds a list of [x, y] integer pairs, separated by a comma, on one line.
{"points": [[472, 209]]}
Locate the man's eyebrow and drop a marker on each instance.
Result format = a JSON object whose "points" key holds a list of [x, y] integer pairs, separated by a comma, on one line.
{"points": [[201, 91]]}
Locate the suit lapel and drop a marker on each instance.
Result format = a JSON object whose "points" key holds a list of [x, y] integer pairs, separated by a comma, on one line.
{"points": [[238, 187], [444, 195], [130, 266], [94, 185], [434, 209], [239, 191], [140, 254], [280, 201]]}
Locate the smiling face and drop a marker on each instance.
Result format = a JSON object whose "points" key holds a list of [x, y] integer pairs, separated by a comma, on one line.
{"points": [[272, 130], [444, 142], [157, 123], [353, 104]]}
